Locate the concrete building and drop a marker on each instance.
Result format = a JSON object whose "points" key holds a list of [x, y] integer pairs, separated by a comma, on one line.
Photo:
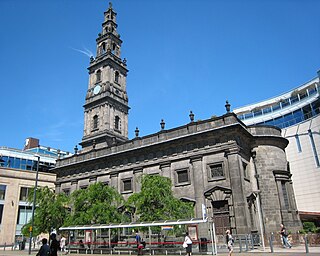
{"points": [[18, 175], [297, 113], [240, 173]]}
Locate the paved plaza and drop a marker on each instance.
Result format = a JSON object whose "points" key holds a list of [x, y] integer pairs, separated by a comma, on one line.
{"points": [[295, 251]]}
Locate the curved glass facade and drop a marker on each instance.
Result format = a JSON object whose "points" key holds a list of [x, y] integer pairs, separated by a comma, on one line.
{"points": [[284, 112]]}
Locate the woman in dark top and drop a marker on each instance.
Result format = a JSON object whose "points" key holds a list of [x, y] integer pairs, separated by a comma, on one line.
{"points": [[54, 245]]}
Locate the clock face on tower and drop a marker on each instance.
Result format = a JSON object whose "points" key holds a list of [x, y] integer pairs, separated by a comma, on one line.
{"points": [[96, 89]]}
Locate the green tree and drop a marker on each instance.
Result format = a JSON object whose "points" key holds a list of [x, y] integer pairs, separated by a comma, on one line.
{"points": [[156, 201], [97, 203], [50, 213]]}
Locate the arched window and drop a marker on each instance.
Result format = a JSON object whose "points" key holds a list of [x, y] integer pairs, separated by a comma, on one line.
{"points": [[95, 122], [98, 76], [116, 77], [117, 123]]}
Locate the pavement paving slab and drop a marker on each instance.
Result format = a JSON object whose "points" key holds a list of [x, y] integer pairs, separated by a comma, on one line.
{"points": [[294, 251]]}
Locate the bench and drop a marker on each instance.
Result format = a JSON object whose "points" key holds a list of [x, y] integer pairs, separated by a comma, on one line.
{"points": [[166, 250]]}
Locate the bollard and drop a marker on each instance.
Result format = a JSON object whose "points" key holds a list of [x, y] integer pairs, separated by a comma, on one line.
{"points": [[306, 243], [240, 244], [252, 243], [247, 245], [271, 243], [5, 244]]}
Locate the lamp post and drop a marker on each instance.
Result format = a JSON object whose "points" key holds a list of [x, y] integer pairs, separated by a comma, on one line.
{"points": [[34, 202]]}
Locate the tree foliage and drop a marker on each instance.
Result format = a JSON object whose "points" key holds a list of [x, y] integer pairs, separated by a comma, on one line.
{"points": [[156, 200], [97, 203], [50, 212]]}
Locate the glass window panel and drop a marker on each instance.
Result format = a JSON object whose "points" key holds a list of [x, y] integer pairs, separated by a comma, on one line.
{"points": [[269, 122], [2, 192], [23, 164], [286, 119], [248, 115], [307, 112], [17, 163], [24, 194], [312, 91], [294, 99], [29, 164], [285, 103], [276, 107], [285, 195], [5, 161], [24, 214], [278, 121], [298, 116], [127, 185], [316, 106], [183, 176], [267, 110], [241, 117], [258, 112], [303, 95], [216, 170], [11, 162]]}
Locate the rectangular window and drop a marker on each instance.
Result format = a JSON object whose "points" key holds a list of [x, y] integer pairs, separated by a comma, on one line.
{"points": [[24, 192], [29, 165], [284, 103], [303, 95], [2, 192], [248, 115], [127, 185], [245, 170], [285, 195], [257, 112], [294, 99], [216, 170], [24, 214], [298, 143], [312, 90], [17, 163], [267, 110], [66, 192], [10, 162], [276, 107], [182, 176]]}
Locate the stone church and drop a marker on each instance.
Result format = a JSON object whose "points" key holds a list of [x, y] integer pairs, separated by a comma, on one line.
{"points": [[240, 173]]}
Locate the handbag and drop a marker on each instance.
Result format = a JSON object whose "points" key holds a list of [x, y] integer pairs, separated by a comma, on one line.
{"points": [[184, 245]]}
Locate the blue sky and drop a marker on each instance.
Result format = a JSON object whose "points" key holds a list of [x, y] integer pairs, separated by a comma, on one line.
{"points": [[182, 55]]}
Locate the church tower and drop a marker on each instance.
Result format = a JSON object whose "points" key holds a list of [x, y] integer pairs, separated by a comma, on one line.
{"points": [[106, 106]]}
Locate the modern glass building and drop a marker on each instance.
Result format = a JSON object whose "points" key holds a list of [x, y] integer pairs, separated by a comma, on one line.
{"points": [[18, 174], [297, 113]]}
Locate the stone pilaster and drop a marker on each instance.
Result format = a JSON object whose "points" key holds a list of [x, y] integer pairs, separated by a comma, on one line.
{"points": [[137, 173], [165, 168], [74, 185], [238, 195], [114, 182], [198, 185]]}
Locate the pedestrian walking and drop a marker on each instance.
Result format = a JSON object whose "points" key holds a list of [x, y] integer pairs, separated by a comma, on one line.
{"points": [[229, 241], [63, 244], [54, 245], [284, 236], [44, 249], [188, 244]]}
